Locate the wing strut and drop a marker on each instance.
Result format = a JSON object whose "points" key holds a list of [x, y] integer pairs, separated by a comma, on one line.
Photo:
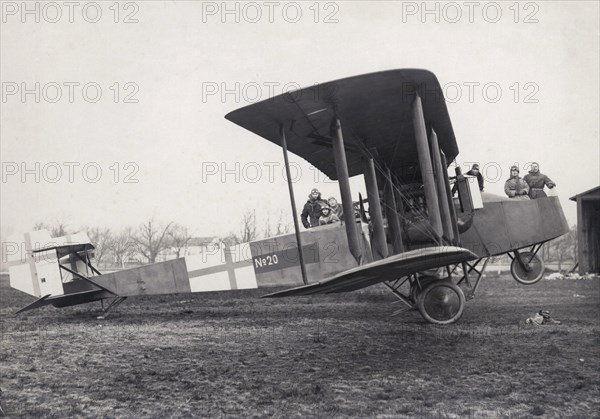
{"points": [[380, 249], [441, 187], [87, 262], [433, 207], [341, 167], [391, 210], [293, 202], [453, 218]]}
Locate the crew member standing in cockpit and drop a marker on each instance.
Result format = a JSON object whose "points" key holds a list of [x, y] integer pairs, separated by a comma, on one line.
{"points": [[537, 181]]}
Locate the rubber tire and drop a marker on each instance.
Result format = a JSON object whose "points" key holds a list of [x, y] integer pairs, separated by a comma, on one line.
{"points": [[528, 278], [421, 302], [414, 290]]}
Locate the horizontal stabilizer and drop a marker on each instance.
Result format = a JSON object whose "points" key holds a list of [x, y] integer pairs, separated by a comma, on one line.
{"points": [[388, 269], [40, 302], [67, 300]]}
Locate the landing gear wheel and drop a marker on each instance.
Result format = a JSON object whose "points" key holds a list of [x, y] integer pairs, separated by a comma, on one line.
{"points": [[441, 302], [527, 276], [415, 289]]}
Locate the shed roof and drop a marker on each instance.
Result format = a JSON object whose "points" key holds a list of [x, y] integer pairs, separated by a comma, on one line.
{"points": [[592, 191]]}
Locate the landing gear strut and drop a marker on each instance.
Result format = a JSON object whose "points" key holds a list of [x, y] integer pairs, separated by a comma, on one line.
{"points": [[467, 268], [439, 301], [114, 303]]}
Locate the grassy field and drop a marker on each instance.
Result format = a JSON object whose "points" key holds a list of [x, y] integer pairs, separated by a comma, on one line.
{"points": [[233, 354]]}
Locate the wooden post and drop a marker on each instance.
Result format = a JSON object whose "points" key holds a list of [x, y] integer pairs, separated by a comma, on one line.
{"points": [[433, 207], [581, 238], [293, 202], [341, 166], [379, 246]]}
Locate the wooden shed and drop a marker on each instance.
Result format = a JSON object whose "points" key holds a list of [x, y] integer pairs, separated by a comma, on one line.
{"points": [[588, 230]]}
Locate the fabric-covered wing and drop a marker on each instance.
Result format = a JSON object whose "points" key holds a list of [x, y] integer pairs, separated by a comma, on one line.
{"points": [[375, 111], [388, 269], [67, 300]]}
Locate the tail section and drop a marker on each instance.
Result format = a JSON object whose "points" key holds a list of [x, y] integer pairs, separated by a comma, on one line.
{"points": [[58, 271], [34, 257]]}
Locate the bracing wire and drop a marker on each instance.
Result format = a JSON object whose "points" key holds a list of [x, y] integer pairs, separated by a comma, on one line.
{"points": [[406, 196]]}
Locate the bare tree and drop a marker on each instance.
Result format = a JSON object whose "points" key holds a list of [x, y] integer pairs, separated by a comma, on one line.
{"points": [[102, 239], [267, 232], [248, 227], [151, 239], [179, 237], [276, 228], [573, 234], [282, 227], [231, 240], [565, 247], [122, 247], [546, 252], [57, 229]]}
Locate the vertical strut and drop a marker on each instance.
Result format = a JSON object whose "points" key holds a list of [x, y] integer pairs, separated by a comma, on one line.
{"points": [[433, 207], [293, 202], [380, 249], [440, 174], [341, 166], [392, 215], [453, 218]]}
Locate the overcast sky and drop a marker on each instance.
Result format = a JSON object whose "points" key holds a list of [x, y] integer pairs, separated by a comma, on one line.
{"points": [[522, 84]]}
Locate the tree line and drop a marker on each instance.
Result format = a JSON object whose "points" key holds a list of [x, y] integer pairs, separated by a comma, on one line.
{"points": [[153, 240], [147, 242]]}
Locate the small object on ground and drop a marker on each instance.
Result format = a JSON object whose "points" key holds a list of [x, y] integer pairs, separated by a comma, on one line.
{"points": [[537, 319], [573, 276], [541, 317], [547, 318]]}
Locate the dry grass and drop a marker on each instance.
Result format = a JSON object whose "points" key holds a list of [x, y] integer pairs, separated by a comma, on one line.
{"points": [[232, 354]]}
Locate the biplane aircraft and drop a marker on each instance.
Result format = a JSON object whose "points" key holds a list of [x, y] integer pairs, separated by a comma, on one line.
{"points": [[393, 128]]}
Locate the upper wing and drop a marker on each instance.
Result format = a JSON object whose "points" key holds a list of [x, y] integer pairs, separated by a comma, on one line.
{"points": [[376, 114], [388, 269]]}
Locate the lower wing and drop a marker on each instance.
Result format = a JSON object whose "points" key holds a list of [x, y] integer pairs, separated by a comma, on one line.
{"points": [[388, 269]]}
